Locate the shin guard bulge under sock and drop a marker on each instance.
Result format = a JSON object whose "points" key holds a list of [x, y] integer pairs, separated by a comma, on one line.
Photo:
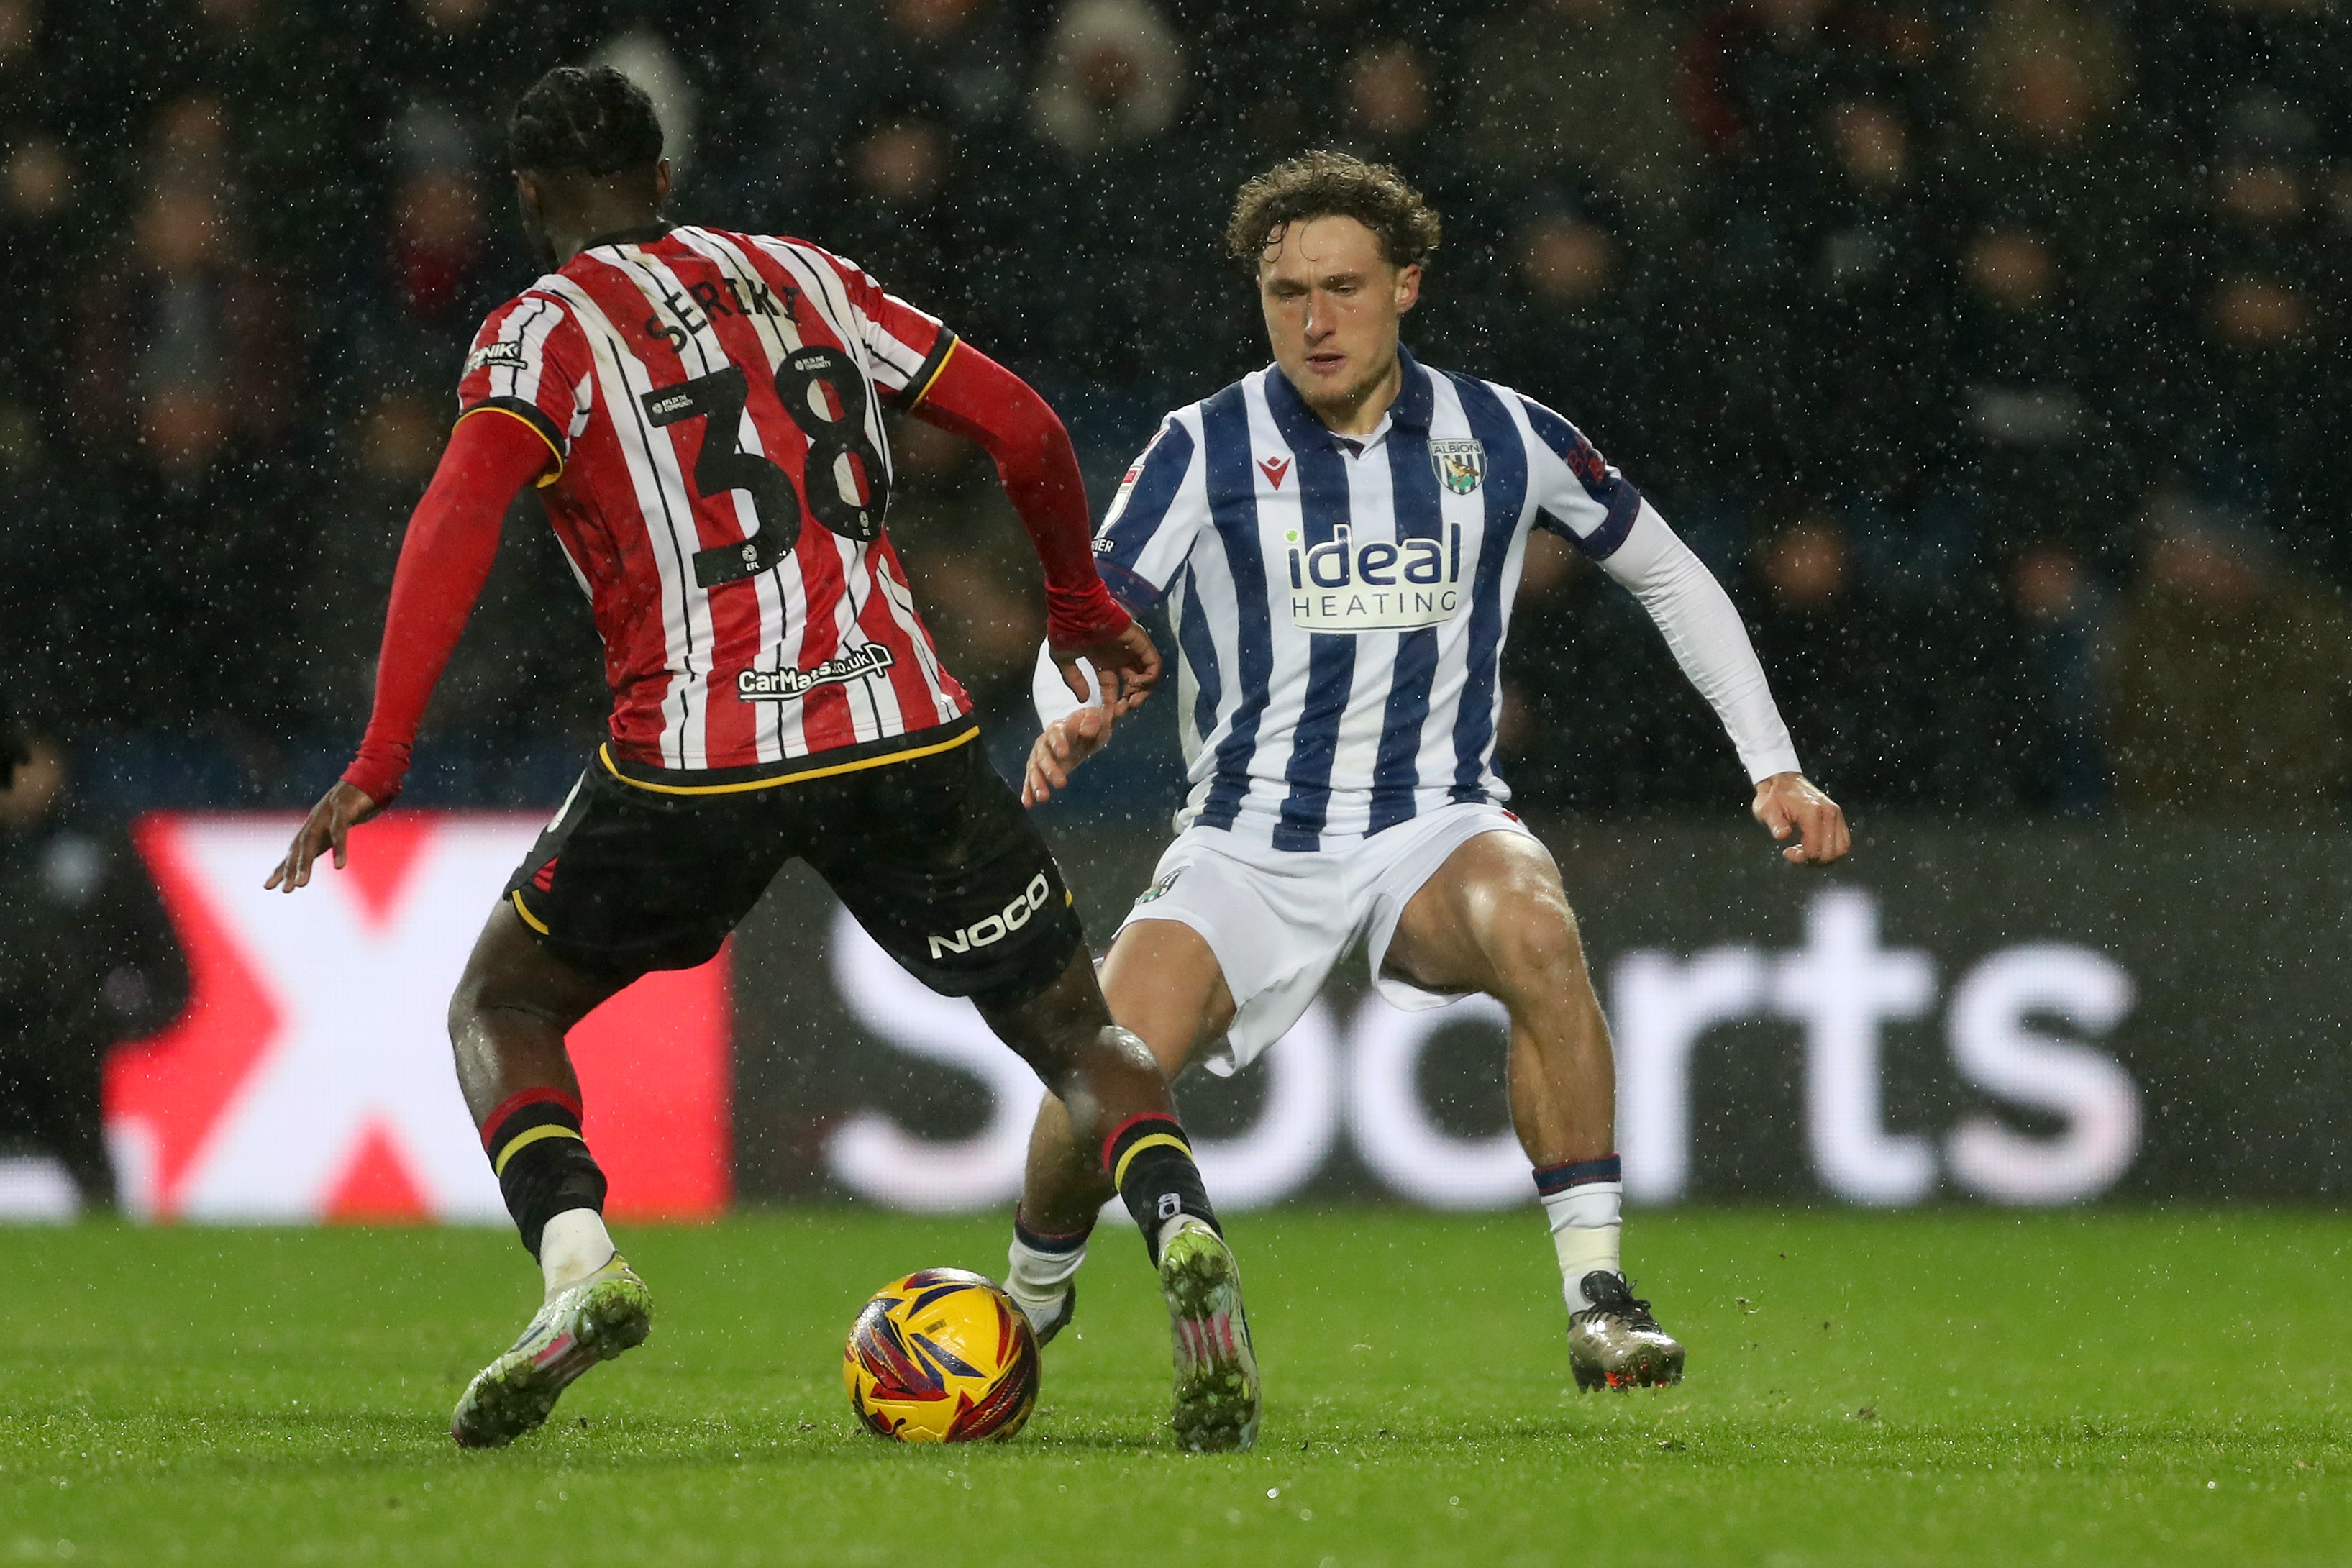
{"points": [[541, 1160], [1149, 1161]]}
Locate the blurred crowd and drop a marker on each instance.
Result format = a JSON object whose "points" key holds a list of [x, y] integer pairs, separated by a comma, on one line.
{"points": [[1989, 351]]}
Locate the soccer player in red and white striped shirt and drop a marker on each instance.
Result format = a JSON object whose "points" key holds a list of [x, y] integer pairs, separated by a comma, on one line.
{"points": [[702, 412]]}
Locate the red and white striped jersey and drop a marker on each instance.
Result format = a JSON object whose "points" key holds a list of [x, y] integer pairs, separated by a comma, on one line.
{"points": [[714, 405]]}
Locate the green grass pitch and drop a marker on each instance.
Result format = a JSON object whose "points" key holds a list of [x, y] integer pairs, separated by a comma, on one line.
{"points": [[1951, 1386]]}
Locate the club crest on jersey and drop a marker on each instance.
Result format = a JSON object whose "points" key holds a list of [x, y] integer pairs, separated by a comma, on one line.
{"points": [[1158, 890], [786, 685], [1349, 588], [1460, 464]]}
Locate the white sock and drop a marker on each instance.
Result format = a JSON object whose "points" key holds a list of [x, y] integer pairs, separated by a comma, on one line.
{"points": [[1171, 1226], [1585, 1223], [573, 1245], [1035, 1277]]}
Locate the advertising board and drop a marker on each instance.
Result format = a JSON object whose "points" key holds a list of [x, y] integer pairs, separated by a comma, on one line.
{"points": [[2034, 1013], [310, 1077], [2030, 1015]]}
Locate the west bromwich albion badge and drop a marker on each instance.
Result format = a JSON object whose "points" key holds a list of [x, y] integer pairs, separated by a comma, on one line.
{"points": [[1460, 464], [1159, 888]]}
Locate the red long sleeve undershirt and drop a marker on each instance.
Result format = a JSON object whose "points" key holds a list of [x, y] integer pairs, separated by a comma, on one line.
{"points": [[454, 537]]}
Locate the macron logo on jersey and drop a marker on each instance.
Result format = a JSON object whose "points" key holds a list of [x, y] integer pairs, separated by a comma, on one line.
{"points": [[1349, 588]]}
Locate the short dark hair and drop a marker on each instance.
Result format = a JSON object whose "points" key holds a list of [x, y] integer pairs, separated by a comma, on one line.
{"points": [[1332, 184], [588, 119]]}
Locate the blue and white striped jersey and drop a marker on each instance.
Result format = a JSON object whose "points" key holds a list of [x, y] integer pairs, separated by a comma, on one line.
{"points": [[1340, 606]]}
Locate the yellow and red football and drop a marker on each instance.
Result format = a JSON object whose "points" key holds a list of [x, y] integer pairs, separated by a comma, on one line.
{"points": [[941, 1356]]}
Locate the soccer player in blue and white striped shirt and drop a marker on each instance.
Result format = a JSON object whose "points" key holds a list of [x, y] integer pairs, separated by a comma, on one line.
{"points": [[1339, 538]]}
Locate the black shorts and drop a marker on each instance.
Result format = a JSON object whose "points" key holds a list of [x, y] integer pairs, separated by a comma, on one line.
{"points": [[924, 843]]}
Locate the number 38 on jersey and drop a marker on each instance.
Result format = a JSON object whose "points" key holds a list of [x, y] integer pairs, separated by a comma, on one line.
{"points": [[848, 483]]}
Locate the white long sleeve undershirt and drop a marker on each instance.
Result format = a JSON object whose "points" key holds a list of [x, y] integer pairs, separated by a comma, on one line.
{"points": [[1704, 633], [1050, 693]]}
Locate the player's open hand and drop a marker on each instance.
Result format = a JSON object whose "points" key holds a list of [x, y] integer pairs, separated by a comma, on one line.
{"points": [[330, 824], [1787, 803], [1127, 665], [1065, 743]]}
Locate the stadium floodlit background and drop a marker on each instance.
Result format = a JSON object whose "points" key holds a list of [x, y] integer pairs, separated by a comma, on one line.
{"points": [[1993, 355]]}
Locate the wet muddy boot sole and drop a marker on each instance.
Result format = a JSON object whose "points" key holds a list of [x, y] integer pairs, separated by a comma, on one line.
{"points": [[1217, 1395]]}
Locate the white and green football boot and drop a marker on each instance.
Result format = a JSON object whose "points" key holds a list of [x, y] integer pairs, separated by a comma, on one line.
{"points": [[1216, 1371], [597, 1319], [1616, 1343]]}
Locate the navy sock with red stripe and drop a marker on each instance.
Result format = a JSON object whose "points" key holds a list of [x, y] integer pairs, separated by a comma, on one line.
{"points": [[1149, 1161], [1052, 1242], [541, 1160], [1553, 1180]]}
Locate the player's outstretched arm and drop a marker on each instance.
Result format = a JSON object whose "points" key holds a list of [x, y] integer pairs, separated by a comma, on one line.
{"points": [[444, 559], [1790, 803], [1704, 632], [975, 397]]}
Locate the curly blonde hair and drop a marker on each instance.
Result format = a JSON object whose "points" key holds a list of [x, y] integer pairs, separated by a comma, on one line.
{"points": [[1332, 184]]}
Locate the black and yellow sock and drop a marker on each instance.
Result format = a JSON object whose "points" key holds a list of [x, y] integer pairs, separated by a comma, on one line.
{"points": [[1150, 1163], [543, 1166]]}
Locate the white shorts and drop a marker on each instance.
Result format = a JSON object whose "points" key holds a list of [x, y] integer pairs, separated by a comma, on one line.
{"points": [[1280, 919]]}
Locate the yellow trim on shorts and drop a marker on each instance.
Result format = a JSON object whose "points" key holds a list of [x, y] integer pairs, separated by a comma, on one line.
{"points": [[1119, 1177], [514, 1145], [494, 408], [933, 380], [528, 919], [604, 754]]}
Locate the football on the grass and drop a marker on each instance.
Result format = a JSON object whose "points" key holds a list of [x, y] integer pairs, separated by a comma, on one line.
{"points": [[941, 1356]]}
